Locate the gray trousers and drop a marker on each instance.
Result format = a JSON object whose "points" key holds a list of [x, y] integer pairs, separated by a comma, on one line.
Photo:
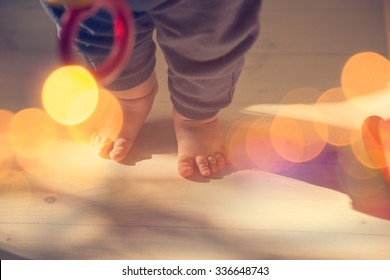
{"points": [[203, 41]]}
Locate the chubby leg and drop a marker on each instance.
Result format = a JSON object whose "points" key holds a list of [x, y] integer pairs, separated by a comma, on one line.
{"points": [[204, 43], [136, 85]]}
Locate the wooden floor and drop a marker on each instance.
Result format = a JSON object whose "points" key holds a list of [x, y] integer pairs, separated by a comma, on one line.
{"points": [[89, 208]]}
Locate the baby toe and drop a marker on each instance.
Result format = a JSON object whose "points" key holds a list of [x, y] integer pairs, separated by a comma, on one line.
{"points": [[203, 165], [120, 149], [93, 138], [221, 162], [185, 167], [213, 164], [104, 147]]}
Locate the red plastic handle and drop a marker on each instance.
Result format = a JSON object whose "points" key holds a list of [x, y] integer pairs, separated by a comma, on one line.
{"points": [[124, 36]]}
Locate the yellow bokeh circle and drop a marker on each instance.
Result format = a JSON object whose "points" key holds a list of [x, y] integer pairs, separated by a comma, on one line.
{"points": [[70, 95], [31, 133]]}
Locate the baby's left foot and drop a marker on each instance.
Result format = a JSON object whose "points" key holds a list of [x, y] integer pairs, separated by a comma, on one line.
{"points": [[200, 146]]}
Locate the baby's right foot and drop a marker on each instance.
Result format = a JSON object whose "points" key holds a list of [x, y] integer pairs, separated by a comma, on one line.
{"points": [[136, 104]]}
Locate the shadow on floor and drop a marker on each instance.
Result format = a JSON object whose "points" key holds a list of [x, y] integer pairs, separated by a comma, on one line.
{"points": [[367, 188], [156, 137], [4, 255], [335, 168]]}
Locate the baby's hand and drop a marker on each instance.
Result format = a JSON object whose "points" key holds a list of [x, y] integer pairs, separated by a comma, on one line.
{"points": [[71, 3]]}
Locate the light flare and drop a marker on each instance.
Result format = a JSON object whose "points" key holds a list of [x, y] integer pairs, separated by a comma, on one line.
{"points": [[364, 74], [69, 168], [5, 147], [359, 149], [70, 95], [107, 119], [365, 186], [328, 116], [31, 133], [15, 193], [348, 161], [260, 148], [302, 95], [236, 144], [296, 140]]}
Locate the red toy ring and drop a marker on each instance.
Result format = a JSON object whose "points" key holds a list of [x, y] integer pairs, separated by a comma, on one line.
{"points": [[124, 35]]}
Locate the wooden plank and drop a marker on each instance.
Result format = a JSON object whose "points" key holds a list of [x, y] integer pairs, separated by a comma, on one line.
{"points": [[26, 29], [127, 213], [22, 74], [89, 208], [309, 5], [127, 242], [322, 32]]}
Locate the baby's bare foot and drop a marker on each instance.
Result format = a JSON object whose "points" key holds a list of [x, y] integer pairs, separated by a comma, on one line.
{"points": [[200, 146], [136, 104]]}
